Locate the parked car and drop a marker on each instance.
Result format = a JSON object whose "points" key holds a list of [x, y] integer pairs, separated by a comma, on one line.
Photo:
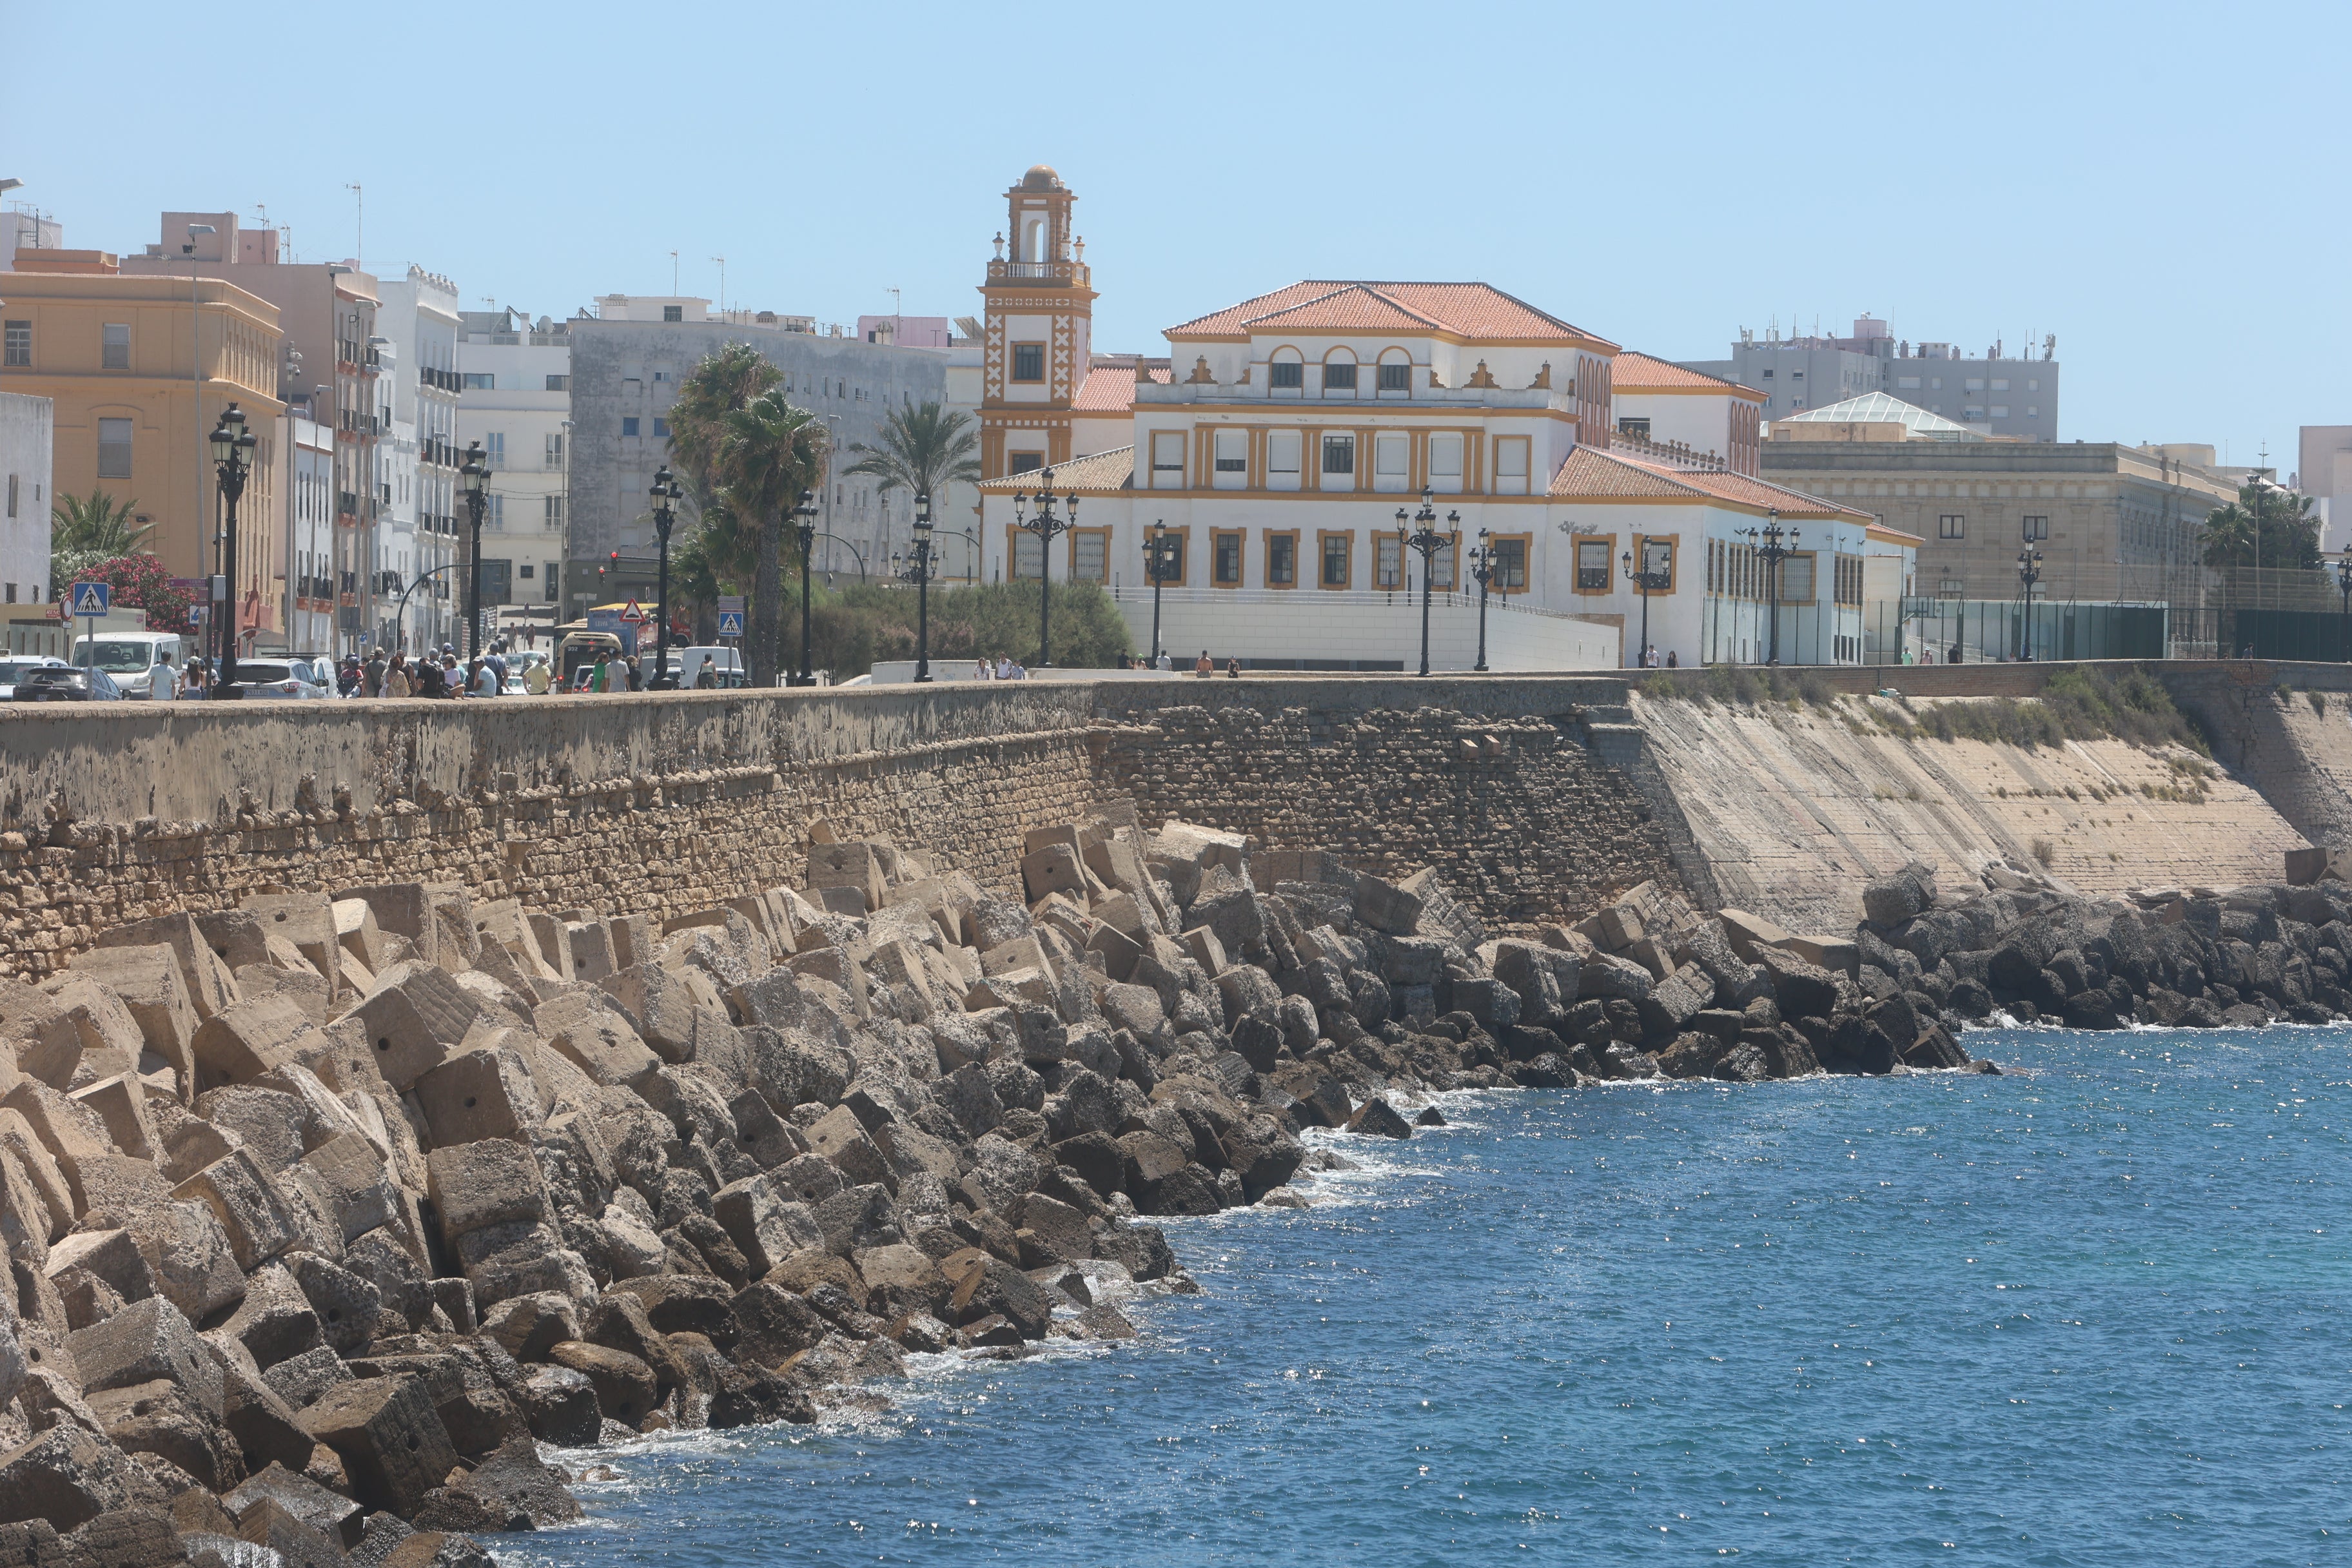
{"points": [[12, 669], [278, 678], [66, 683]]}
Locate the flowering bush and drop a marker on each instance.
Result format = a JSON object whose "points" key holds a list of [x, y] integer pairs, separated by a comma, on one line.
{"points": [[140, 583]]}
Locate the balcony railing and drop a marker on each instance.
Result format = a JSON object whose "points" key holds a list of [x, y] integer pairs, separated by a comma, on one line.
{"points": [[1070, 272]]}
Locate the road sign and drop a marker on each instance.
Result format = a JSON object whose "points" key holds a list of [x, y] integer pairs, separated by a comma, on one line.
{"points": [[92, 598], [196, 614], [633, 613], [730, 603], [731, 623]]}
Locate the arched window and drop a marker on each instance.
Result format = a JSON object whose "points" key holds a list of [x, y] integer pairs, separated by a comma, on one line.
{"points": [[1340, 372], [1395, 373], [1286, 372]]}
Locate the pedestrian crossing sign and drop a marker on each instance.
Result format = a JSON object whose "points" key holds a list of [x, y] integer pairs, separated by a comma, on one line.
{"points": [[731, 623], [92, 598]]}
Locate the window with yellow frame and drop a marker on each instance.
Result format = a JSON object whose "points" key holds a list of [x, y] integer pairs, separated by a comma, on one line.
{"points": [[1181, 539], [1090, 551], [1511, 552], [1335, 559], [1282, 558], [1227, 548]]}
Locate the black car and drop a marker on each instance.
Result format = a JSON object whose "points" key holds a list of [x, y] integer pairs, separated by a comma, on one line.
{"points": [[67, 683]]}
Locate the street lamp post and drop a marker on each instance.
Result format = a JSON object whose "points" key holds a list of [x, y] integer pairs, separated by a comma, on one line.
{"points": [[475, 474], [1482, 567], [1423, 540], [1649, 580], [804, 526], [2029, 572], [918, 567], [233, 447], [665, 493], [2344, 587], [1163, 562], [1047, 527], [1773, 545]]}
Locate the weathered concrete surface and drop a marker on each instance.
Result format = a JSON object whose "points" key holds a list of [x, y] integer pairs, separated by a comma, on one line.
{"points": [[1794, 810]]}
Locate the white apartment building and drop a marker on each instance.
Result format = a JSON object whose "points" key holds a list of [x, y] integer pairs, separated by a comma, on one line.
{"points": [[418, 314], [27, 442], [515, 398], [308, 450]]}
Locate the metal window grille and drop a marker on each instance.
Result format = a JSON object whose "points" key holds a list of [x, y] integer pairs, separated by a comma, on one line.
{"points": [[1396, 378], [1286, 372]]}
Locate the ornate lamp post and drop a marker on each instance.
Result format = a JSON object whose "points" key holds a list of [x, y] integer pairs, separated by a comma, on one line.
{"points": [[1649, 579], [233, 447], [1047, 528], [665, 493], [804, 527], [1772, 545], [1483, 567], [2029, 572], [1423, 540], [1163, 562], [475, 475], [918, 568]]}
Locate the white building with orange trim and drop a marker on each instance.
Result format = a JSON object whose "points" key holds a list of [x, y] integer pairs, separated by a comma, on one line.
{"points": [[1299, 428]]}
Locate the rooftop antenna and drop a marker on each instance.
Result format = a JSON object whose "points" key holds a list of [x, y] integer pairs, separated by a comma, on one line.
{"points": [[722, 286], [359, 226], [673, 273]]}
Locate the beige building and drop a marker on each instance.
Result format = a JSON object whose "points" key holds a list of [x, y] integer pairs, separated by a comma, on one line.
{"points": [[139, 371], [2115, 524]]}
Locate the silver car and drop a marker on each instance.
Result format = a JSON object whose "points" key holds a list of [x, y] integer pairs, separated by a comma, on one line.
{"points": [[276, 677], [11, 670]]}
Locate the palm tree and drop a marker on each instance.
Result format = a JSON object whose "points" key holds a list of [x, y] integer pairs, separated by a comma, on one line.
{"points": [[924, 448], [2266, 526], [719, 556], [726, 380], [95, 524], [767, 453]]}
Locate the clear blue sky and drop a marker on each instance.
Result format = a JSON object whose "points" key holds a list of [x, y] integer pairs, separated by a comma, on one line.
{"points": [[2158, 184]]}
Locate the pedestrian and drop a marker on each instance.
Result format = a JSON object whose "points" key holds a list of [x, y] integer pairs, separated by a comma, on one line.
{"points": [[1232, 667], [1954, 656], [1167, 660], [706, 678], [596, 677], [427, 680], [347, 675], [395, 675], [372, 675], [485, 680], [497, 663], [637, 676], [193, 678], [979, 670], [453, 679], [1204, 667], [1003, 667], [534, 677], [1673, 662]]}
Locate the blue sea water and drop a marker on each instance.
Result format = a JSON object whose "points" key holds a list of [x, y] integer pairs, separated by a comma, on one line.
{"points": [[2090, 1311]]}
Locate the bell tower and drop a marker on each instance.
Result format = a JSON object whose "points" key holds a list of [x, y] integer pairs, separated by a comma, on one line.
{"points": [[1038, 311]]}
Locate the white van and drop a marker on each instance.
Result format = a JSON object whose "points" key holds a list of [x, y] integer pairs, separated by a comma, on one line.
{"points": [[725, 665], [143, 664]]}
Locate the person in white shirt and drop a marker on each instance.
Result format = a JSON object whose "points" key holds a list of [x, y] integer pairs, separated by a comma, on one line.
{"points": [[1003, 667]]}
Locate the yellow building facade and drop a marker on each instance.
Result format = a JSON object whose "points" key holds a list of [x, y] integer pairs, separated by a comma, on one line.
{"points": [[140, 369]]}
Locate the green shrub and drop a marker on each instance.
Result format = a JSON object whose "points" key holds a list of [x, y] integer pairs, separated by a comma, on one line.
{"points": [[1660, 686], [854, 626]]}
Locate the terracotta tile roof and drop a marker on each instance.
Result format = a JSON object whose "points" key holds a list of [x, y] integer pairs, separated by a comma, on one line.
{"points": [[1111, 471], [1472, 311], [1347, 308], [1591, 474], [1631, 371], [1110, 389]]}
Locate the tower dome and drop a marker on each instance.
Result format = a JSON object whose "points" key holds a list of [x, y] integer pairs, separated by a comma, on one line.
{"points": [[1041, 178]]}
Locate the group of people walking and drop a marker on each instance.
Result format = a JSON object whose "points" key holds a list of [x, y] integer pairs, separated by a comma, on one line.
{"points": [[434, 673]]}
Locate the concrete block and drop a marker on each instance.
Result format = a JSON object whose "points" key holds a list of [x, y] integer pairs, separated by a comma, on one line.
{"points": [[1385, 907], [111, 1038], [152, 988], [402, 909], [476, 1094], [40, 1167], [245, 1041], [26, 1221], [522, 1258], [490, 1182], [839, 1136], [72, 1133], [357, 933], [555, 939], [766, 1219], [189, 1255], [251, 1211], [591, 950], [204, 969], [305, 920], [1054, 869], [121, 1102], [660, 1002], [308, 989], [414, 1017], [64, 1477], [349, 1176], [1748, 933], [392, 1444], [146, 1340], [274, 1321], [48, 1044], [596, 1039], [110, 1256], [847, 865]]}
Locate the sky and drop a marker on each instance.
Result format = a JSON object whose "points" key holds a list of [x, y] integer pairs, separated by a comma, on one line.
{"points": [[2158, 185]]}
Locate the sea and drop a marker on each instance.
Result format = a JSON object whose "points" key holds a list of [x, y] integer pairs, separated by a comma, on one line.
{"points": [[2092, 1311]]}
